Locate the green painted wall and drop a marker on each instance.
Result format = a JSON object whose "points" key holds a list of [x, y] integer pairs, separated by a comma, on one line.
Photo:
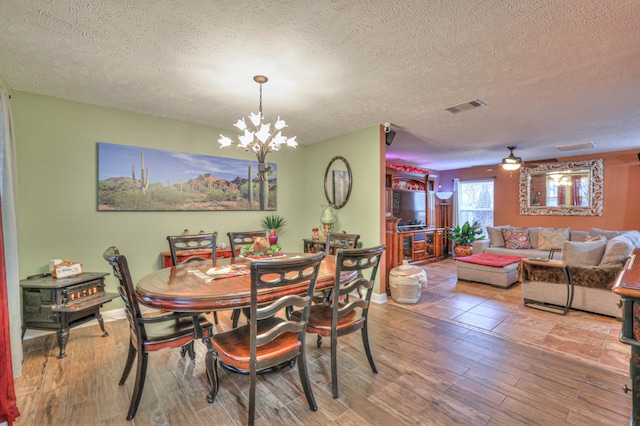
{"points": [[57, 178], [362, 214]]}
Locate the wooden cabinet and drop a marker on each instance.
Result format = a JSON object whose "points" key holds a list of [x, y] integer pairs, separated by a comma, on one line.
{"points": [[419, 246], [627, 286]]}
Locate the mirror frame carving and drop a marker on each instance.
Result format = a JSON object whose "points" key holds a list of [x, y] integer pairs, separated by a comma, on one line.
{"points": [[327, 182], [596, 189]]}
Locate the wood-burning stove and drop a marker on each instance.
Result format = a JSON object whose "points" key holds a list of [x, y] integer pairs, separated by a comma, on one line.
{"points": [[61, 304]]}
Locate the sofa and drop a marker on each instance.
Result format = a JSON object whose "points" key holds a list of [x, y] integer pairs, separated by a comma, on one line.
{"points": [[594, 260], [529, 243]]}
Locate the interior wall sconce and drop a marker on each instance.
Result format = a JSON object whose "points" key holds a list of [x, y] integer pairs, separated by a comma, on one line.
{"points": [[444, 195]]}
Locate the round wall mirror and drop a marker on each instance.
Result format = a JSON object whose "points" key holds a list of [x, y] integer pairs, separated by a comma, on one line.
{"points": [[337, 182]]}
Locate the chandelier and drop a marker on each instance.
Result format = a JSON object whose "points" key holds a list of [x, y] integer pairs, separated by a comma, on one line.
{"points": [[511, 162], [261, 139]]}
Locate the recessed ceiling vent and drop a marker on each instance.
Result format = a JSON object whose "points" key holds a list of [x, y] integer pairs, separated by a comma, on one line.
{"points": [[576, 146], [465, 106]]}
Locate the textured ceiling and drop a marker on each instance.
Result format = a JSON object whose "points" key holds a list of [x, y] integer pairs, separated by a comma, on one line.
{"points": [[554, 72]]}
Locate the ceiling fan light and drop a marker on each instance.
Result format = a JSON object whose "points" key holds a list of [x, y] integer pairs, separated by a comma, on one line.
{"points": [[510, 166], [511, 162]]}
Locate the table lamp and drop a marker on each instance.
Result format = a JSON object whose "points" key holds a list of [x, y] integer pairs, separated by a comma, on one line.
{"points": [[327, 218]]}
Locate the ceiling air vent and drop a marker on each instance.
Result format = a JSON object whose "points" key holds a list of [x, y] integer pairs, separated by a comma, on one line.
{"points": [[465, 106], [576, 146]]}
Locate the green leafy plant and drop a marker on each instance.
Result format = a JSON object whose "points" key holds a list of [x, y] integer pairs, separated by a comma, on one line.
{"points": [[273, 222], [466, 234]]}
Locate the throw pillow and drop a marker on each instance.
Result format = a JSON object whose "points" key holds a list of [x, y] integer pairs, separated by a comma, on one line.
{"points": [[516, 238], [617, 251], [583, 253], [552, 238], [533, 236], [576, 235], [589, 238], [495, 236], [594, 232]]}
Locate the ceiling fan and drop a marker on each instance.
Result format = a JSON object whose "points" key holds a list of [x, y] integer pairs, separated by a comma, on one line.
{"points": [[514, 163], [511, 162]]}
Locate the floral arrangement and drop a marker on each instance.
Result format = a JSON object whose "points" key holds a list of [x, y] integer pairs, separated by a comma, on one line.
{"points": [[249, 251]]}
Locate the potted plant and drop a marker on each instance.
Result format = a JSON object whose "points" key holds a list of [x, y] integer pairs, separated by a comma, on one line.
{"points": [[464, 236], [273, 223]]}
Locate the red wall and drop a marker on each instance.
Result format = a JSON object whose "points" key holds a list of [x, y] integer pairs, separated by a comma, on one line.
{"points": [[621, 194]]}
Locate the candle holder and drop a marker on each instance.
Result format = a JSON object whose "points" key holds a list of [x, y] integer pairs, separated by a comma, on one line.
{"points": [[327, 219]]}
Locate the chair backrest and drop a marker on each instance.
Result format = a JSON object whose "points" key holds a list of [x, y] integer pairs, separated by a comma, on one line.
{"points": [[340, 240], [191, 243], [280, 273], [127, 291], [358, 260], [241, 238]]}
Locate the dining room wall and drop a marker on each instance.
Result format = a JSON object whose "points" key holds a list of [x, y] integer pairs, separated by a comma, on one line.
{"points": [[358, 216], [57, 187], [362, 213]]}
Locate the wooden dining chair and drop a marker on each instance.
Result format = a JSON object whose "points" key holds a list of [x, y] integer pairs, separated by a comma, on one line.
{"points": [[192, 245], [335, 240], [151, 333], [341, 240], [237, 239], [342, 315], [270, 339]]}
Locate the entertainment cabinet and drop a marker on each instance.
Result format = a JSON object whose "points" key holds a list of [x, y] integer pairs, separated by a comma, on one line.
{"points": [[417, 243]]}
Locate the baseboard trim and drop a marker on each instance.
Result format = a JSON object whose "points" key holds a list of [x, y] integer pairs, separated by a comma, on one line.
{"points": [[379, 298]]}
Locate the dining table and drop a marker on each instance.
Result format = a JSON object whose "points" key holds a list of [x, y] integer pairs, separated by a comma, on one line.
{"points": [[221, 284]]}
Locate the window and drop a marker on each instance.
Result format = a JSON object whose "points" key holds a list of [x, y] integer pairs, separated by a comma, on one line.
{"points": [[475, 202]]}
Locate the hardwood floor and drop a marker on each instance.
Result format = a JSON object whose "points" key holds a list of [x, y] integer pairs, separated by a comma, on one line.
{"points": [[431, 372]]}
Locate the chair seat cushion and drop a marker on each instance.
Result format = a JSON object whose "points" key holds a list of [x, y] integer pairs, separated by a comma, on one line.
{"points": [[233, 346], [320, 320]]}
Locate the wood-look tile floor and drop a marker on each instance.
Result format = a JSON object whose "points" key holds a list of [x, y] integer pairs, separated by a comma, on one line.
{"points": [[431, 372], [583, 336]]}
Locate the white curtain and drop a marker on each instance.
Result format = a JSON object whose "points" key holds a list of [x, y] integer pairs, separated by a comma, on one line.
{"points": [[455, 216], [8, 186]]}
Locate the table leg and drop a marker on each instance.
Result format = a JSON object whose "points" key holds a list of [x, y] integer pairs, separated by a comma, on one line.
{"points": [[212, 369], [211, 359]]}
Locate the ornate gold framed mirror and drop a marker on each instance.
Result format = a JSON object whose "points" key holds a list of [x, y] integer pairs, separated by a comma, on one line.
{"points": [[563, 189], [338, 181]]}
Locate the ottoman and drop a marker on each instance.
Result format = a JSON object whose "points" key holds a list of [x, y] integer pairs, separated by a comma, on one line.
{"points": [[495, 269]]}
